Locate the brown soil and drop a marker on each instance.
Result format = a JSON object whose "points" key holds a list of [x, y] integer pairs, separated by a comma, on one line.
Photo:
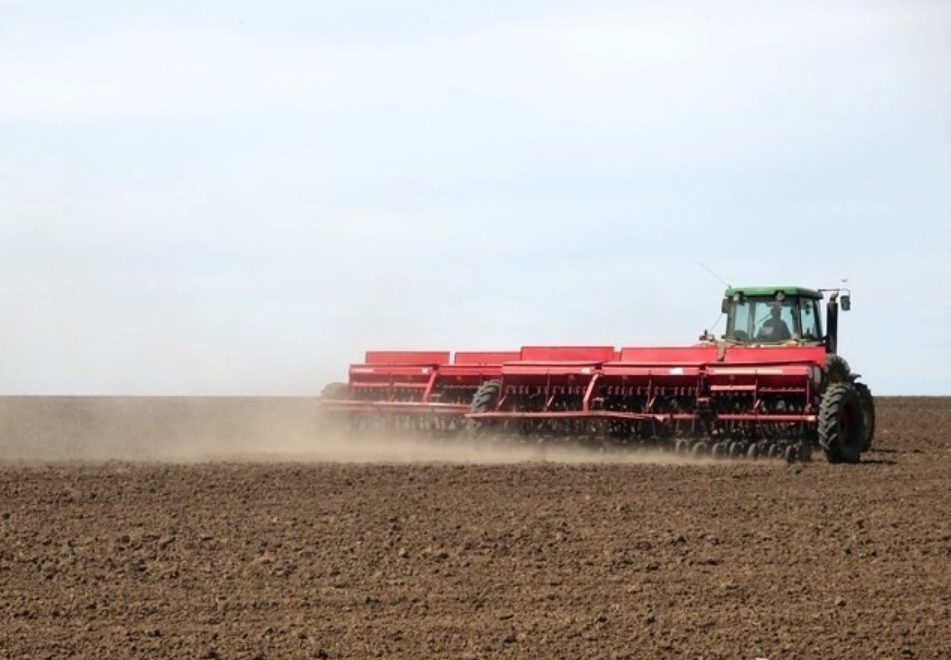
{"points": [[477, 555]]}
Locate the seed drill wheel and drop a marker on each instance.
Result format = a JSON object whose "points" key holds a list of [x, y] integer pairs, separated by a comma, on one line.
{"points": [[805, 452], [485, 399], [334, 391], [791, 454], [841, 423], [868, 413]]}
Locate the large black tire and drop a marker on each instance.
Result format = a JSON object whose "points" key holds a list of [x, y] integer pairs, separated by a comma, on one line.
{"points": [[334, 391], [837, 369], [485, 399], [868, 413], [841, 427]]}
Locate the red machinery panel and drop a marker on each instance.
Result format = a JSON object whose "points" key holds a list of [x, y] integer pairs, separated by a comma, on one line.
{"points": [[485, 357], [407, 357], [477, 365], [669, 355], [670, 371], [774, 354], [567, 354], [546, 369]]}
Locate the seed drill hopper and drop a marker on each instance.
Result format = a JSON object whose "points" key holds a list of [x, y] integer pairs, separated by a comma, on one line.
{"points": [[773, 385]]}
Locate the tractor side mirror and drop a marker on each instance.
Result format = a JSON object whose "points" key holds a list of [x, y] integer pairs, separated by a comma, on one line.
{"points": [[846, 302], [725, 306]]}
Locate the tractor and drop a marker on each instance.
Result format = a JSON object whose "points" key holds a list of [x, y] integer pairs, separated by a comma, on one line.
{"points": [[773, 385]]}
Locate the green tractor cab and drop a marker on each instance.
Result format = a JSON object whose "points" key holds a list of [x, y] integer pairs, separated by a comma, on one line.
{"points": [[784, 315]]}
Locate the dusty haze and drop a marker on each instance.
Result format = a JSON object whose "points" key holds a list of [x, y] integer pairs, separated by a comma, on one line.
{"points": [[195, 429]]}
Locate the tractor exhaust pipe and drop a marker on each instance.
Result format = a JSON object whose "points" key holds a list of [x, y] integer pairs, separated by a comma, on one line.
{"points": [[832, 323]]}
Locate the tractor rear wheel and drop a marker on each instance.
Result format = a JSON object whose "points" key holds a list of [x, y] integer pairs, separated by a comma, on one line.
{"points": [[841, 428], [868, 413], [837, 369]]}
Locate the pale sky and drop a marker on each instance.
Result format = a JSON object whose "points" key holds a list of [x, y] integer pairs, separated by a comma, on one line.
{"points": [[242, 197]]}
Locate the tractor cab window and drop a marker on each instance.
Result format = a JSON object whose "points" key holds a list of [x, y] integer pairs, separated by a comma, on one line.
{"points": [[809, 320], [761, 319], [739, 323], [775, 321]]}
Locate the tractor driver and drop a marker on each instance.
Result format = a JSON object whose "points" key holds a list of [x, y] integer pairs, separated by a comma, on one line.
{"points": [[774, 328]]}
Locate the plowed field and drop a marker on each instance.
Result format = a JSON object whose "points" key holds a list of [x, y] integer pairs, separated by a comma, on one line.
{"points": [[226, 528]]}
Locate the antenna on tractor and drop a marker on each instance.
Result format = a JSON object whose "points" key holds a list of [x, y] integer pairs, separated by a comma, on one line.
{"points": [[710, 270], [707, 336]]}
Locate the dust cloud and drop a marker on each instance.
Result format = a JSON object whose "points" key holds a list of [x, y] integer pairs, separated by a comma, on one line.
{"points": [[205, 429]]}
